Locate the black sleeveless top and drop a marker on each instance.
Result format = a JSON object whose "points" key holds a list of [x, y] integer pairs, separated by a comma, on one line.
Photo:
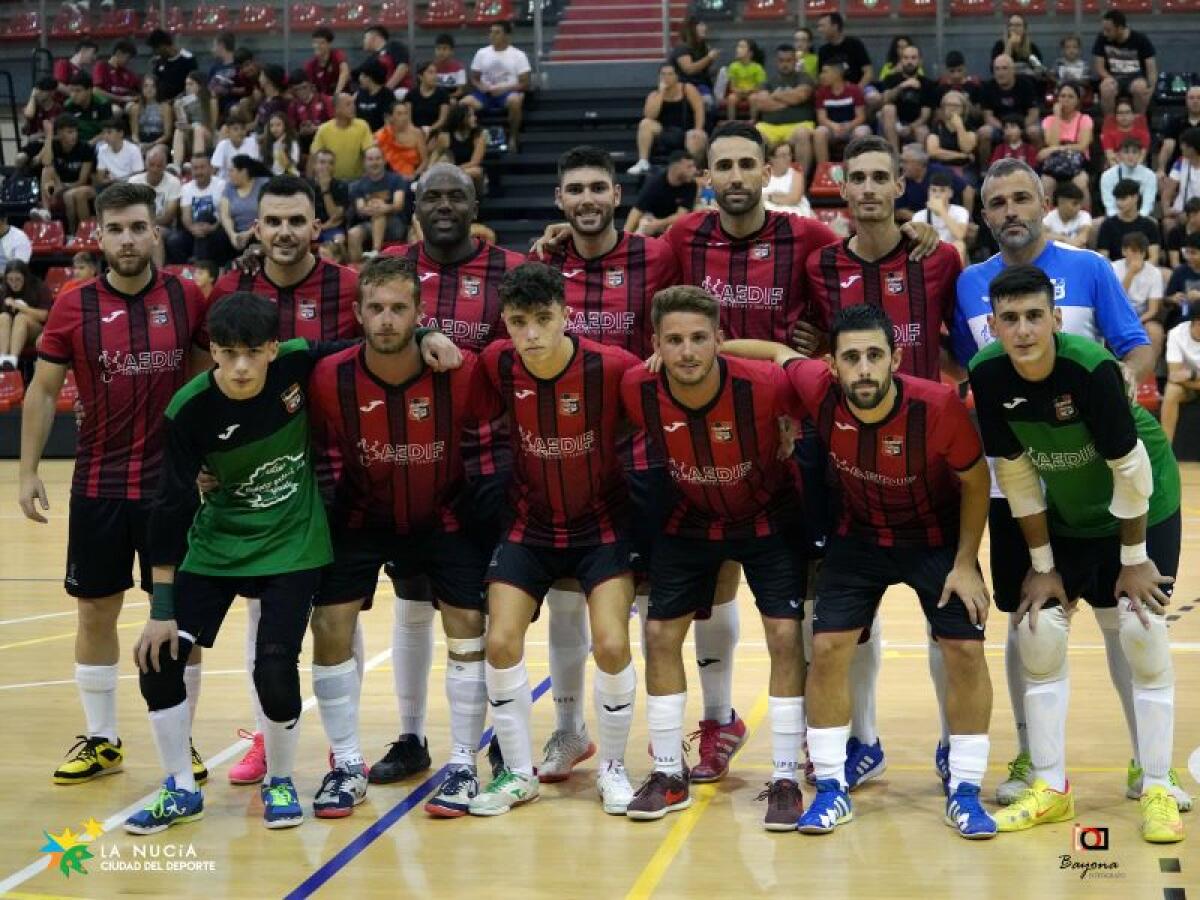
{"points": [[675, 114]]}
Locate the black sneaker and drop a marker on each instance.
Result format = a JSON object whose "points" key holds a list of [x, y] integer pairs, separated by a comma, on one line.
{"points": [[405, 757], [495, 757]]}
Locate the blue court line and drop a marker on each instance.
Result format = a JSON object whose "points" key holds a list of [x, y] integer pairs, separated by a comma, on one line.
{"points": [[375, 830]]}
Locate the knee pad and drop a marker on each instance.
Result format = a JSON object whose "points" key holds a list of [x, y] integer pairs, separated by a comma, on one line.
{"points": [[414, 612], [1044, 651], [165, 688], [1148, 650], [277, 681]]}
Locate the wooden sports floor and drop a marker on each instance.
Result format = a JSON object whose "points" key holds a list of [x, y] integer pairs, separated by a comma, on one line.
{"points": [[562, 846]]}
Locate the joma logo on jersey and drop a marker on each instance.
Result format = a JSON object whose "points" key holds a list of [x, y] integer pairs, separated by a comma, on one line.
{"points": [[418, 409], [117, 362], [742, 294], [601, 321], [470, 286], [614, 277], [722, 431], [293, 399], [158, 315], [569, 405]]}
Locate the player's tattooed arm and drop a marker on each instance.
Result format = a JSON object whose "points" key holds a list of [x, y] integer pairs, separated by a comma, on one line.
{"points": [[924, 237]]}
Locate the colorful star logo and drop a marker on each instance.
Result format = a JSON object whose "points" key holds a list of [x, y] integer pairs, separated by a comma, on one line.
{"points": [[68, 851]]}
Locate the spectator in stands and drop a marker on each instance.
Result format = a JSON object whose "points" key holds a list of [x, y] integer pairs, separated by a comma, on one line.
{"points": [[1015, 146], [1124, 62], [746, 76], [279, 146], [955, 77], [667, 196], [238, 143], [44, 106], [201, 234], [1004, 94], [891, 62], [1183, 287], [951, 142], [451, 73], [79, 62], [841, 110], [1143, 285], [373, 103], [222, 74], [499, 79], [24, 307], [1184, 176], [785, 191], [785, 111], [328, 70], [693, 60], [195, 117], [392, 55], [1070, 65], [84, 267], [951, 221], [428, 100], [332, 198], [1128, 168], [67, 164], [238, 208], [1016, 44], [806, 57], [167, 190], [117, 159], [151, 120], [672, 119], [112, 78], [85, 105], [917, 174], [1068, 222], [837, 46], [1068, 135], [908, 101], [1114, 228], [1183, 369], [245, 83], [1177, 236], [1121, 126], [402, 143], [171, 63], [379, 206], [205, 273], [1174, 128], [308, 109], [461, 142], [271, 99], [346, 136], [14, 243]]}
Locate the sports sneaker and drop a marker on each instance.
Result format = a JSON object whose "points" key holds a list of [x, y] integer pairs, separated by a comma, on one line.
{"points": [[281, 804], [966, 813], [171, 806], [718, 744], [341, 790], [614, 788], [563, 751], [406, 756], [658, 795], [251, 768], [641, 167], [509, 790], [199, 769], [1160, 816], [941, 765], [1020, 779], [785, 804], [1133, 786], [454, 794], [829, 809], [1039, 805], [863, 762], [89, 758]]}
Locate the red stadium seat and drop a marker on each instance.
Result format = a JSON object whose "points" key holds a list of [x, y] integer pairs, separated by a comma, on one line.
{"points": [[1181, 6], [1067, 7], [918, 9], [393, 14], [86, 238], [257, 18], [118, 23], [1133, 6], [814, 8], [486, 13], [209, 20], [836, 217], [69, 23], [25, 26], [69, 394], [12, 390], [56, 277], [826, 180], [443, 14], [46, 237], [174, 23], [868, 9], [972, 7], [1148, 395], [307, 16], [1023, 7], [349, 16], [765, 10]]}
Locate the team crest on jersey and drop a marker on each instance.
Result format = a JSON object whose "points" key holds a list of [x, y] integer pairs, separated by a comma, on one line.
{"points": [[1064, 407], [569, 404], [893, 446], [308, 311], [761, 250], [722, 431], [293, 398], [158, 315], [614, 277], [470, 286], [418, 408], [894, 282]]}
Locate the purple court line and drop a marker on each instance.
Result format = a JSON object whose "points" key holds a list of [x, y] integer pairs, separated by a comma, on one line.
{"points": [[375, 830]]}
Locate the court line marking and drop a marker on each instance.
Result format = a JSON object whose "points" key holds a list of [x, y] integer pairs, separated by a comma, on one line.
{"points": [[657, 867], [57, 615]]}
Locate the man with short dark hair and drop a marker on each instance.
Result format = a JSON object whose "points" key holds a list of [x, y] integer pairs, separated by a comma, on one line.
{"points": [[500, 76], [1127, 195], [1188, 117], [171, 64], [308, 108], [373, 102], [667, 196], [841, 111], [222, 74], [956, 78], [837, 46], [86, 107], [1178, 235], [452, 74], [380, 199], [1124, 62], [327, 69], [67, 164], [45, 105], [392, 55], [80, 62], [116, 158], [909, 99], [112, 78], [785, 111], [200, 234]]}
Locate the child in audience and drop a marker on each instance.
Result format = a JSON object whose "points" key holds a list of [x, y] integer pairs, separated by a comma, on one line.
{"points": [[1071, 66], [746, 75], [1143, 285], [1014, 145], [948, 219], [1068, 222]]}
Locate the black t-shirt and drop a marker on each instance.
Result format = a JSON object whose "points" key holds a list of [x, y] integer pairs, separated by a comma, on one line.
{"points": [[425, 109], [171, 74], [910, 100], [1125, 59], [661, 199], [341, 196], [374, 108], [852, 52], [801, 112], [1113, 231], [69, 163], [1174, 127], [972, 88], [701, 78], [1018, 99]]}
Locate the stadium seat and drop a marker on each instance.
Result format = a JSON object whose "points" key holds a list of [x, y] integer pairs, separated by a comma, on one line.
{"points": [[68, 395], [1067, 7], [86, 238], [1148, 395], [713, 10], [826, 181], [1133, 6], [1023, 7], [47, 238], [117, 23], [972, 7], [393, 14], [348, 16], [486, 13], [69, 23], [868, 9], [918, 9], [766, 10], [209, 20], [24, 26], [307, 16], [56, 277], [814, 8], [12, 390], [1181, 6], [257, 18], [836, 217], [174, 23], [443, 14]]}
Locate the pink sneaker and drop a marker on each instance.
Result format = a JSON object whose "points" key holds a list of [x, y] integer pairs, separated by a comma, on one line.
{"points": [[253, 766], [718, 744]]}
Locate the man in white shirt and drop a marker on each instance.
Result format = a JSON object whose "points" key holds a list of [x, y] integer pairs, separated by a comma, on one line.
{"points": [[1068, 222], [1186, 176], [500, 78], [1183, 370], [167, 191], [116, 158], [237, 144], [200, 235], [14, 243], [1129, 166], [951, 221]]}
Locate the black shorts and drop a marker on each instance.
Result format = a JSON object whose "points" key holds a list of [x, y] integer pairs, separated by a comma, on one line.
{"points": [[201, 602], [535, 569], [670, 139], [683, 574], [453, 563], [103, 537], [652, 494], [856, 573]]}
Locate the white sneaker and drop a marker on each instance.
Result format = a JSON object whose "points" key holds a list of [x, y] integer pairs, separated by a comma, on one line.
{"points": [[641, 167], [614, 788], [563, 751], [1020, 779], [509, 790]]}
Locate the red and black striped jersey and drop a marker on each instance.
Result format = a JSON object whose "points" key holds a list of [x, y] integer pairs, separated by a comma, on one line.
{"points": [[568, 488], [896, 478], [918, 296], [759, 280], [723, 458], [319, 308], [130, 356], [396, 448]]}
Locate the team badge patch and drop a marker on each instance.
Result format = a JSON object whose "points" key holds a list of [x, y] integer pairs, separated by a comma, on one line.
{"points": [[569, 404], [158, 315], [614, 277], [293, 398], [418, 408], [722, 431], [893, 446], [308, 311], [894, 282], [761, 251], [1064, 407], [470, 286]]}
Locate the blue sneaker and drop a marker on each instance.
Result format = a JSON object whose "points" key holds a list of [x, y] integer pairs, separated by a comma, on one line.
{"points": [[172, 806], [281, 804], [863, 762], [829, 809], [941, 764], [966, 813]]}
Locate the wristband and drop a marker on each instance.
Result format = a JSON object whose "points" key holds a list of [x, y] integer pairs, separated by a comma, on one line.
{"points": [[1042, 558], [162, 602], [1133, 554]]}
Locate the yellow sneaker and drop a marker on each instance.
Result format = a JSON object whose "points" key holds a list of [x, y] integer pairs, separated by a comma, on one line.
{"points": [[199, 769], [1160, 816], [90, 758], [1039, 805]]}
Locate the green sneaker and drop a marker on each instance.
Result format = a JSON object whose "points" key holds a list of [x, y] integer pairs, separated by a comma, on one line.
{"points": [[1133, 786], [509, 789], [1020, 779]]}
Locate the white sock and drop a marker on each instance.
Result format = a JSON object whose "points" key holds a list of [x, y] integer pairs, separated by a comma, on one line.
{"points": [[614, 695], [359, 653], [1156, 732], [98, 694], [864, 672], [827, 747], [968, 759], [664, 715], [937, 674], [191, 683], [466, 692], [281, 739], [787, 730], [1046, 713], [336, 688], [716, 638], [1118, 670], [412, 658], [570, 645], [643, 611], [1015, 675], [510, 688], [253, 615], [172, 735]]}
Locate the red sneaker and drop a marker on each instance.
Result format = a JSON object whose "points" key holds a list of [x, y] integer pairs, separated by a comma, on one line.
{"points": [[718, 744], [785, 804], [659, 794]]}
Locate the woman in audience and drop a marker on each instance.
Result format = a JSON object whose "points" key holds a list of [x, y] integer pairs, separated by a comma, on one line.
{"points": [[785, 190], [462, 142], [1026, 56], [195, 117], [238, 208], [279, 145], [1068, 135], [895, 48], [430, 101], [694, 59], [151, 121], [24, 307], [951, 142]]}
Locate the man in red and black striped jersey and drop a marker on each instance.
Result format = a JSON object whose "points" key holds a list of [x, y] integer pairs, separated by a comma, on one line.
{"points": [[394, 428], [912, 497], [568, 518], [130, 338], [716, 421]]}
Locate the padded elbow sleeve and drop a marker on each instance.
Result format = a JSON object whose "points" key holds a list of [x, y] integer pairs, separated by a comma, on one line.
{"points": [[1019, 481], [1133, 483]]}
